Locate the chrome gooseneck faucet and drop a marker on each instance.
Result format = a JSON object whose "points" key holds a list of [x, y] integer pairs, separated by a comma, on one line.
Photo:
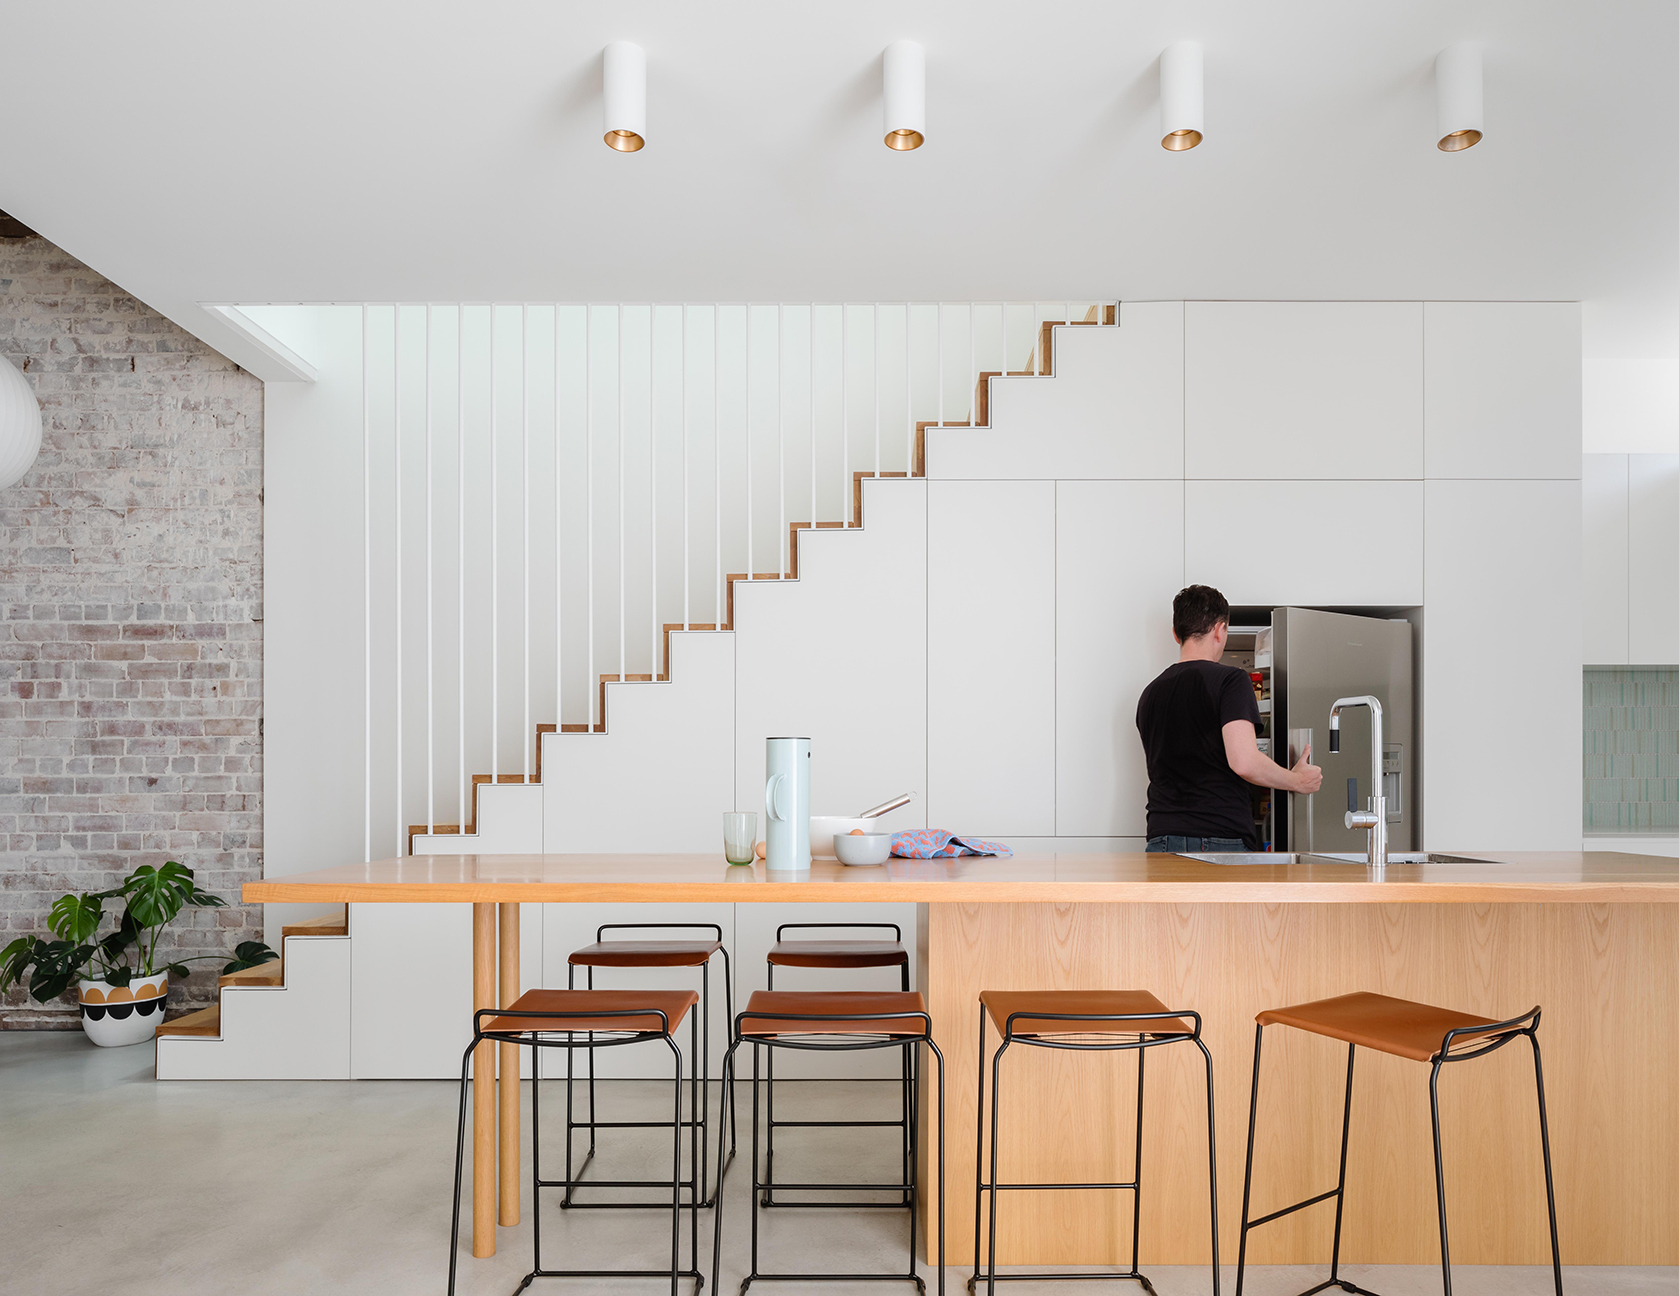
{"points": [[1375, 818]]}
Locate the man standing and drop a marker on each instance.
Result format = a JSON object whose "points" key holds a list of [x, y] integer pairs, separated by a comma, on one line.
{"points": [[1198, 721]]}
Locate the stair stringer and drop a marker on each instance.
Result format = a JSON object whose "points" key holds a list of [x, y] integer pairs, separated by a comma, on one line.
{"points": [[1112, 407], [299, 1030]]}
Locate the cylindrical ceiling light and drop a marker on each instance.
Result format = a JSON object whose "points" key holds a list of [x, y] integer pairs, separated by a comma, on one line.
{"points": [[1180, 96], [625, 99], [906, 95], [1457, 92], [20, 426]]}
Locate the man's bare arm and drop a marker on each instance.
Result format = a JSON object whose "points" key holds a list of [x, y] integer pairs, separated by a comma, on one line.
{"points": [[1241, 749]]}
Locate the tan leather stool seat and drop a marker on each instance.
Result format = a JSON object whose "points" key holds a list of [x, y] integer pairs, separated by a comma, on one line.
{"points": [[838, 954], [1001, 1004], [644, 953], [814, 1012], [1398, 1026], [649, 1003]]}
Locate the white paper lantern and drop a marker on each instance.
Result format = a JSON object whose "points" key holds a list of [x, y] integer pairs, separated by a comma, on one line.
{"points": [[20, 426]]}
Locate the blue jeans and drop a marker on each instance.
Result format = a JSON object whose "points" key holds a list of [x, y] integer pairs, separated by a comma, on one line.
{"points": [[1199, 845]]}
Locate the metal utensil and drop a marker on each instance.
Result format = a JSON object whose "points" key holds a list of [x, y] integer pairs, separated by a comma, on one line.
{"points": [[886, 807]]}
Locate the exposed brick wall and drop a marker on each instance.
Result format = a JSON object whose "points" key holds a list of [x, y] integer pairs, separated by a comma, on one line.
{"points": [[130, 592]]}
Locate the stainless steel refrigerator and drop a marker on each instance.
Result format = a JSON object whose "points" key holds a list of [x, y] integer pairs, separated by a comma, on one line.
{"points": [[1317, 657]]}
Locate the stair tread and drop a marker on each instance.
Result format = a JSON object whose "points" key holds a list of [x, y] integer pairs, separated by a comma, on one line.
{"points": [[326, 925], [206, 1022], [271, 973]]}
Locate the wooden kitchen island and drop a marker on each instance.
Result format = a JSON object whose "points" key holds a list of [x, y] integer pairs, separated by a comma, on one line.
{"points": [[1593, 938]]}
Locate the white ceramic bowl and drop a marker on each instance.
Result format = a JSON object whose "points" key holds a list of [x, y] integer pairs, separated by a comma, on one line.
{"points": [[865, 848], [824, 828]]}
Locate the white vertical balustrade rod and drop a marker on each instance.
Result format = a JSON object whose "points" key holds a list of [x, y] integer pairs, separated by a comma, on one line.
{"points": [[874, 366], [909, 395], [717, 461], [686, 566], [973, 370], [589, 497], [495, 570], [810, 392], [938, 333], [366, 598], [525, 730], [653, 486], [559, 554], [845, 413], [431, 689], [780, 447], [623, 607], [460, 563], [748, 420], [559, 547], [401, 636]]}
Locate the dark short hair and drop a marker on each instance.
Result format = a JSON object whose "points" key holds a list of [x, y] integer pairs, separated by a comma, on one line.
{"points": [[1196, 610]]}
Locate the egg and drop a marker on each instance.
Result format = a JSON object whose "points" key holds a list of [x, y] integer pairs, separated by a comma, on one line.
{"points": [[759, 849], [855, 832]]}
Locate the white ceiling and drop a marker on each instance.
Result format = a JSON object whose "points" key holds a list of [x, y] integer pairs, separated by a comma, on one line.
{"points": [[208, 152]]}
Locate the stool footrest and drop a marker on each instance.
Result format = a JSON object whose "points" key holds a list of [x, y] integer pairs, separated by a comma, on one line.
{"points": [[1043, 1187], [1289, 1210], [1133, 1276]]}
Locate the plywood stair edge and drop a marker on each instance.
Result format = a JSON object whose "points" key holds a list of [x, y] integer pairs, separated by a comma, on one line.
{"points": [[1042, 358], [202, 1023]]}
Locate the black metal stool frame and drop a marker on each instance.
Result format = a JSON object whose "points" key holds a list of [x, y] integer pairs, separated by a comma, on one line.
{"points": [[701, 1082], [1492, 1038], [905, 1122], [570, 1043], [911, 1185], [1145, 1040]]}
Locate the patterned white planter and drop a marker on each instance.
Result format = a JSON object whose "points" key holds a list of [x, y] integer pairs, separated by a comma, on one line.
{"points": [[130, 1014]]}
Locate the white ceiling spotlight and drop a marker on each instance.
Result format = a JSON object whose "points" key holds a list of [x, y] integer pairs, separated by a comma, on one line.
{"points": [[1180, 96], [906, 95], [1457, 92], [20, 426], [625, 98]]}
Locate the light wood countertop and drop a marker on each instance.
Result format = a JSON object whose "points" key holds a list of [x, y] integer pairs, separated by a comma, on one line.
{"points": [[1525, 877]]}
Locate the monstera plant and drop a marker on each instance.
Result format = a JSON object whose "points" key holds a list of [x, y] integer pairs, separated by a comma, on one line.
{"points": [[123, 985]]}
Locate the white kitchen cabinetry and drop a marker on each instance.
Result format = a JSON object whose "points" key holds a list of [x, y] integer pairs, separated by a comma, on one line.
{"points": [[1653, 559], [1113, 407], [1603, 593], [1501, 714], [991, 658], [1502, 389], [1303, 390], [1342, 543], [1119, 561]]}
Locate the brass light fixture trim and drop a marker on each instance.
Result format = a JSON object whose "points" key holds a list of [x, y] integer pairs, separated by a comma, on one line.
{"points": [[625, 141], [1180, 140], [904, 140], [1458, 140]]}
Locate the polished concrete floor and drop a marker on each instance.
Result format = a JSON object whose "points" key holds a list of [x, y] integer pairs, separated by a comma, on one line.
{"points": [[111, 1182]]}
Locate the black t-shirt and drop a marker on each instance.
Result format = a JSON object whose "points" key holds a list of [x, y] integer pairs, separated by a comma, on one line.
{"points": [[1192, 791]]}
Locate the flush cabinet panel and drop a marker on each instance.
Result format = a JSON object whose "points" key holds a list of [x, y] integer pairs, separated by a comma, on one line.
{"points": [[1119, 561], [1303, 390], [1500, 704], [1317, 544], [1603, 594], [991, 658], [1653, 559], [1502, 389]]}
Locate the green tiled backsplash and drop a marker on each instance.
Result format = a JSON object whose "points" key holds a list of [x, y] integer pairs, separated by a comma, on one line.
{"points": [[1631, 750]]}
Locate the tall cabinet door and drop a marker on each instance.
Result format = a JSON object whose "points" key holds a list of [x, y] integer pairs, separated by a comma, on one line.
{"points": [[1604, 610], [1652, 541], [1118, 564]]}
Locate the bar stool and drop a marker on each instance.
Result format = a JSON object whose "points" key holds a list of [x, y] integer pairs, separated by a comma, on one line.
{"points": [[646, 954], [844, 955], [1409, 1030], [591, 1019], [1088, 1021], [833, 1021]]}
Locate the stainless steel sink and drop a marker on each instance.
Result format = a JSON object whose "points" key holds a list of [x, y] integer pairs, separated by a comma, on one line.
{"points": [[1289, 857]]}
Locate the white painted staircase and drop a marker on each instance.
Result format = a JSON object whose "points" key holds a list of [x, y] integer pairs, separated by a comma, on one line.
{"points": [[855, 610]]}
